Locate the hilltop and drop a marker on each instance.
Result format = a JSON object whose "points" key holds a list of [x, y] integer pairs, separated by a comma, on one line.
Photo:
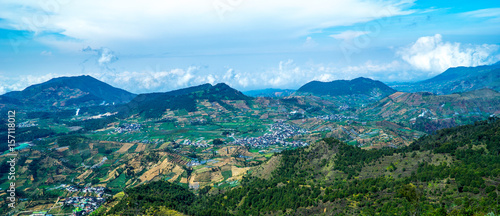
{"points": [[74, 91], [358, 86], [153, 105], [458, 79]]}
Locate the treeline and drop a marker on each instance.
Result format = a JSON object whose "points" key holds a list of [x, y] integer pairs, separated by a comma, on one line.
{"points": [[139, 200]]}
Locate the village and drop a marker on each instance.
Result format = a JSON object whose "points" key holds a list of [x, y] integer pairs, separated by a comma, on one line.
{"points": [[84, 205], [280, 132], [335, 117]]}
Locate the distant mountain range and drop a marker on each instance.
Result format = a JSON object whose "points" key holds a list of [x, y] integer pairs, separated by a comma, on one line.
{"points": [[458, 79], [358, 86], [82, 91], [153, 105], [67, 92], [270, 92]]}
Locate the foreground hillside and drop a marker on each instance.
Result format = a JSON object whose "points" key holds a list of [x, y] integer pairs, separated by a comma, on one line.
{"points": [[453, 172]]}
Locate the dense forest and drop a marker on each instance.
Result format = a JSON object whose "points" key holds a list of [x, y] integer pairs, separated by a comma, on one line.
{"points": [[454, 171]]}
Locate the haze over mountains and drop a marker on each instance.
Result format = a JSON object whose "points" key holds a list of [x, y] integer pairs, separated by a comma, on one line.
{"points": [[270, 92]]}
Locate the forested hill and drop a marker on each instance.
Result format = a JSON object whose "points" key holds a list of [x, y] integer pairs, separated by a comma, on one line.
{"points": [[77, 91], [358, 86], [452, 172], [153, 105]]}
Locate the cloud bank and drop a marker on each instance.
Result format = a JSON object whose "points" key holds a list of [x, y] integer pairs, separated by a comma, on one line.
{"points": [[104, 22], [434, 55]]}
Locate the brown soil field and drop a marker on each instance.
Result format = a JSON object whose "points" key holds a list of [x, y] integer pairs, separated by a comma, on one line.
{"points": [[125, 147]]}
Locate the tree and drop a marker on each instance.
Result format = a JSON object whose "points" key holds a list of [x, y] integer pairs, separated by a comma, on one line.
{"points": [[218, 141]]}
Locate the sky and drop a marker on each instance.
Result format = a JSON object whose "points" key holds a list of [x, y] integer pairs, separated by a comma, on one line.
{"points": [[161, 45]]}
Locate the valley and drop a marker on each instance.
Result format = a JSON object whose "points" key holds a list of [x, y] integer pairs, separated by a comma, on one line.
{"points": [[213, 141]]}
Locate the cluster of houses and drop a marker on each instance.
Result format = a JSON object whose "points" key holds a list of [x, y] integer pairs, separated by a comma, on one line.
{"points": [[344, 107], [84, 205], [128, 128], [97, 190], [197, 143], [280, 132], [335, 117], [26, 124]]}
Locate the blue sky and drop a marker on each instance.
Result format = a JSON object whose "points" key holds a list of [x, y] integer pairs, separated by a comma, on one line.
{"points": [[158, 45]]}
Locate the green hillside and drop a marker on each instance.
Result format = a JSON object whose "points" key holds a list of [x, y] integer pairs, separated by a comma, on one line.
{"points": [[453, 172], [358, 86], [155, 104], [429, 112], [69, 92]]}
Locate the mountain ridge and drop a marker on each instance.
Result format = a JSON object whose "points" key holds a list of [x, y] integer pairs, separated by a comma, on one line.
{"points": [[457, 79], [70, 91], [153, 105], [360, 85]]}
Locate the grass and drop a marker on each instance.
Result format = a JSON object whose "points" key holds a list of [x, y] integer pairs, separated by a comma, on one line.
{"points": [[118, 183], [227, 174], [132, 149]]}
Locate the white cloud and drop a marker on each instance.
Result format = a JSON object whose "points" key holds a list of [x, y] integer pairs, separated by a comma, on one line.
{"points": [[104, 22], [348, 35], [46, 53], [148, 81], [435, 55], [488, 12], [105, 55], [310, 43]]}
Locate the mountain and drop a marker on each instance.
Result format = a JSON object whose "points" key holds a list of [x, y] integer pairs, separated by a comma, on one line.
{"points": [[428, 112], [153, 105], [70, 92], [8, 102], [358, 86], [269, 92], [458, 79]]}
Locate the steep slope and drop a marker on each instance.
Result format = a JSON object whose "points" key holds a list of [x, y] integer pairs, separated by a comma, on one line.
{"points": [[155, 104], [458, 79], [8, 102], [358, 86], [70, 92]]}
